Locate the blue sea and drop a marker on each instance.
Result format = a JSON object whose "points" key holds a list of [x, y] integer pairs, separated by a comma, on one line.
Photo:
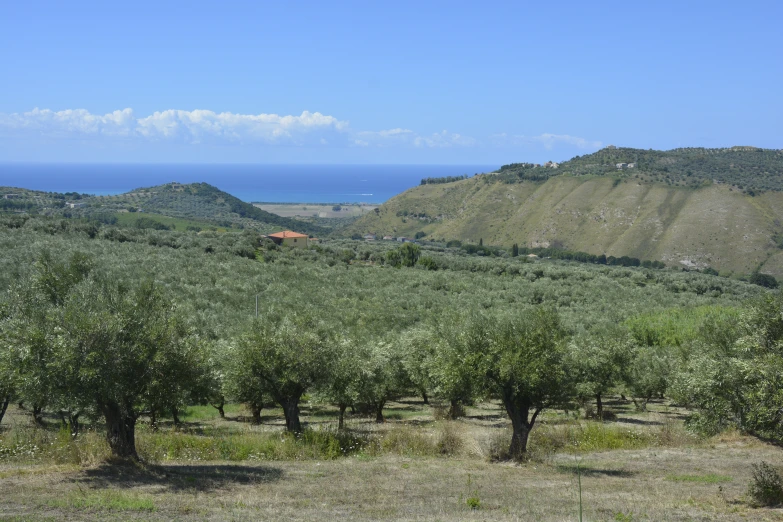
{"points": [[269, 183]]}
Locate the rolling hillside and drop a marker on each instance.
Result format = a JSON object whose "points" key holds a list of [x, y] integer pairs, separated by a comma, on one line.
{"points": [[199, 202], [709, 221]]}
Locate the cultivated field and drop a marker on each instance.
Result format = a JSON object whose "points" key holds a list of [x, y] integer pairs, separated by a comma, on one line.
{"points": [[316, 210], [638, 466]]}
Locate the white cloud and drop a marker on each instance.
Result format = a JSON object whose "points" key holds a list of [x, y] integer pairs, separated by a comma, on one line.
{"points": [[444, 139], [190, 126], [549, 141], [70, 122], [384, 138], [205, 126]]}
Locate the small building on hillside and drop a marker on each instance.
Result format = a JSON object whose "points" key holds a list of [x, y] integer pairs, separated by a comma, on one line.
{"points": [[369, 237], [388, 238], [289, 238]]}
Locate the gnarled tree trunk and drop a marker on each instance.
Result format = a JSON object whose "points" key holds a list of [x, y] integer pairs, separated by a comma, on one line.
{"points": [[4, 406], [599, 406], [70, 421], [379, 412], [455, 410], [120, 431], [521, 423], [255, 409], [291, 411], [37, 411], [219, 407], [175, 416], [341, 421]]}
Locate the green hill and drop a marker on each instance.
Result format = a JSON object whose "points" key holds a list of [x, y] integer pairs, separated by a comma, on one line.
{"points": [[721, 208], [199, 202]]}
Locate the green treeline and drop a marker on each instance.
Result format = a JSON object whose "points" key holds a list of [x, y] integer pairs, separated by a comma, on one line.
{"points": [[444, 179], [12, 204], [104, 325], [750, 169]]}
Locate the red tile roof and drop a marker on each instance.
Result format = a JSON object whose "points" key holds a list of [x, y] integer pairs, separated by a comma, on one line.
{"points": [[286, 234]]}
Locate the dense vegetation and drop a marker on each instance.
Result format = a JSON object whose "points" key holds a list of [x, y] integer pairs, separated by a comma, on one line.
{"points": [[750, 169], [354, 324], [443, 179]]}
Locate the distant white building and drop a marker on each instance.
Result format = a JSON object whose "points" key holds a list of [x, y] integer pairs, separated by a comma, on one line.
{"points": [[621, 165], [369, 237], [631, 165]]}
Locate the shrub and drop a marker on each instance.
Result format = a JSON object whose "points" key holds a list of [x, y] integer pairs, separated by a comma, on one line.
{"points": [[449, 443], [766, 487], [764, 280]]}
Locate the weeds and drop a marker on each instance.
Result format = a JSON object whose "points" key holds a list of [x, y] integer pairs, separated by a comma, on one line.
{"points": [[710, 478], [450, 442], [33, 444], [110, 500], [324, 444], [591, 436], [471, 498]]}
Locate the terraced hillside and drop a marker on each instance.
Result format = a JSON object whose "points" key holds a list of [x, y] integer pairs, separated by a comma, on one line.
{"points": [[621, 212]]}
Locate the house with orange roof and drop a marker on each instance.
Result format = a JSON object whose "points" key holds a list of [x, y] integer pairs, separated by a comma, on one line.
{"points": [[289, 238]]}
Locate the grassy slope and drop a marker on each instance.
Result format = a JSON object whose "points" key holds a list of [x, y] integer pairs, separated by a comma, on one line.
{"points": [[712, 226]]}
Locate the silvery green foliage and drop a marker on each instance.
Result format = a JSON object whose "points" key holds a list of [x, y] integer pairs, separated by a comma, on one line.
{"points": [[383, 318], [734, 373], [600, 359]]}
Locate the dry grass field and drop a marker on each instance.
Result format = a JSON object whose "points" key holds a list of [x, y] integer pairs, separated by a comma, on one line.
{"points": [[639, 466], [316, 210]]}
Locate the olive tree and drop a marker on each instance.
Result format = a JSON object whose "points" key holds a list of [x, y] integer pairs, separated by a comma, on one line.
{"points": [[287, 356], [451, 363], [649, 373], [121, 348], [734, 376], [599, 361], [519, 358], [342, 389], [418, 347], [29, 329], [241, 383], [382, 376]]}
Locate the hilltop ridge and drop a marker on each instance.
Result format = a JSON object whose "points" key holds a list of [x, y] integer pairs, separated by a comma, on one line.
{"points": [[196, 201], [689, 207], [750, 169]]}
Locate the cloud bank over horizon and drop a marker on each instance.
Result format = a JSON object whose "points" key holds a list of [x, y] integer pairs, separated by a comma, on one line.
{"points": [[185, 128]]}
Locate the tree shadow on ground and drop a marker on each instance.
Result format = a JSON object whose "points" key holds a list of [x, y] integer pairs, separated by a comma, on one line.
{"points": [[637, 422], [420, 403], [201, 477], [589, 471]]}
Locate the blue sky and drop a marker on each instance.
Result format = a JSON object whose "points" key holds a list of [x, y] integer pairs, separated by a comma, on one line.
{"points": [[384, 82]]}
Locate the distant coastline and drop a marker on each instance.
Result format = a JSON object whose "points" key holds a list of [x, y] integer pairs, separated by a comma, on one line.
{"points": [[296, 184]]}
